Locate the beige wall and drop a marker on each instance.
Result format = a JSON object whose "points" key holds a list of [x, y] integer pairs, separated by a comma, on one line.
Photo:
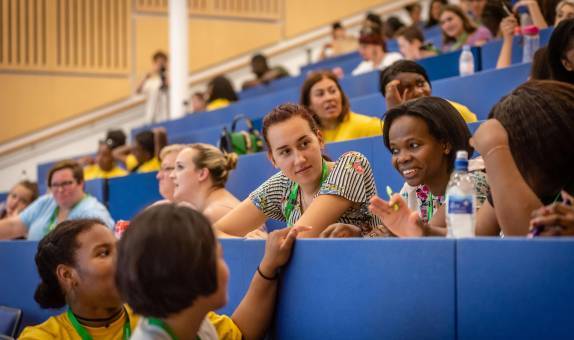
{"points": [[304, 15], [95, 45], [29, 103]]}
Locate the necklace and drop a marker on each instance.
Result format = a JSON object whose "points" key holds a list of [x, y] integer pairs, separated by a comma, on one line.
{"points": [[85, 335]]}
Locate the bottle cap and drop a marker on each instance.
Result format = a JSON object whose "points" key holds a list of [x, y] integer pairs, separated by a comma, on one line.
{"points": [[462, 154]]}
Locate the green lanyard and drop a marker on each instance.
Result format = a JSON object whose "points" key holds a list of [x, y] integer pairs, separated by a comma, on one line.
{"points": [[460, 41], [292, 200], [54, 216], [83, 333], [161, 324], [430, 208]]}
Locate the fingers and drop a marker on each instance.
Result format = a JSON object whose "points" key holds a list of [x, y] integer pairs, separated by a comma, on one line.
{"points": [[567, 198], [327, 233], [553, 220]]}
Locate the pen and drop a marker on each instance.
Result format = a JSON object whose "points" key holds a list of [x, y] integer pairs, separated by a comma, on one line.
{"points": [[390, 193]]}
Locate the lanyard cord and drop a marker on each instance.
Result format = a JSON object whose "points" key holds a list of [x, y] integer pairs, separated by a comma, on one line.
{"points": [[292, 200], [161, 324], [54, 216], [83, 333], [430, 209]]}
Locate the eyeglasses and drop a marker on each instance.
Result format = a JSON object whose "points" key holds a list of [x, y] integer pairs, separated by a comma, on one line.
{"points": [[63, 185]]}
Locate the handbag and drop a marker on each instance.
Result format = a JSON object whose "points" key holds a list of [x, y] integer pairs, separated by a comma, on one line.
{"points": [[240, 142]]}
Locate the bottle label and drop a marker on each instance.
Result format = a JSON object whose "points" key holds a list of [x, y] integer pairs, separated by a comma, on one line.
{"points": [[460, 204]]}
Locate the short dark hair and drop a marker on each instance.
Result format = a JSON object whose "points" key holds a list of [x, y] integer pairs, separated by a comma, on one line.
{"points": [[76, 168], [538, 117], [400, 66], [444, 123], [166, 260], [336, 25], [314, 78], [59, 246], [221, 88], [561, 40], [145, 139], [159, 55], [411, 33]]}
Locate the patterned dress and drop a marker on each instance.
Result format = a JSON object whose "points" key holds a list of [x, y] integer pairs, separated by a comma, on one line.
{"points": [[351, 178]]}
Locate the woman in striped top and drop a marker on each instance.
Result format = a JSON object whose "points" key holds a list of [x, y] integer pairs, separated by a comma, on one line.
{"points": [[308, 190]]}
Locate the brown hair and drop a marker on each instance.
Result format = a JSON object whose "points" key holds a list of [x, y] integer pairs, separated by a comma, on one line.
{"points": [[467, 26], [32, 187], [76, 168], [285, 112], [213, 159], [314, 78], [411, 33]]}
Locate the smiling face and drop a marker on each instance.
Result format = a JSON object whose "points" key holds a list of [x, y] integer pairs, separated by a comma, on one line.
{"points": [[65, 189], [94, 270], [451, 24], [186, 176], [104, 157], [296, 150], [418, 156], [326, 100]]}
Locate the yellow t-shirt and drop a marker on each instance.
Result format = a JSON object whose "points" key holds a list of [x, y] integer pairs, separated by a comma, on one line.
{"points": [[225, 327], [466, 114], [217, 104], [354, 126], [149, 166], [94, 171], [60, 327]]}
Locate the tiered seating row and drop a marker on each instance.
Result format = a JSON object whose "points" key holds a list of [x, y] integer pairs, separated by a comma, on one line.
{"points": [[385, 288]]}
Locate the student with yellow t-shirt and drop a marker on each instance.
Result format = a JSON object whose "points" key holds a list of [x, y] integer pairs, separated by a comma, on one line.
{"points": [[76, 266], [323, 95], [142, 155], [175, 275], [405, 80], [105, 165]]}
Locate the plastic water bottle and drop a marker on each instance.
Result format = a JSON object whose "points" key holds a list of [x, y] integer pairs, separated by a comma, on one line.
{"points": [[460, 200], [531, 41], [466, 61]]}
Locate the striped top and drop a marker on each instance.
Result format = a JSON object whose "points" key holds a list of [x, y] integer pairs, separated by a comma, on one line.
{"points": [[351, 178]]}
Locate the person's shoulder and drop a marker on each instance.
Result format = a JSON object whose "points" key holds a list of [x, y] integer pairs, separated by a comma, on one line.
{"points": [[224, 326], [362, 118], [352, 158], [53, 328], [464, 111]]}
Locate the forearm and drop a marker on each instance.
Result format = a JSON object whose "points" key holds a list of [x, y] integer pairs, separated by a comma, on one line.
{"points": [[11, 228], [255, 312], [505, 56], [537, 17], [513, 199]]}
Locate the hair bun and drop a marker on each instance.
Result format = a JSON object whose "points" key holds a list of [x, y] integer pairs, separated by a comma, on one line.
{"points": [[231, 159]]}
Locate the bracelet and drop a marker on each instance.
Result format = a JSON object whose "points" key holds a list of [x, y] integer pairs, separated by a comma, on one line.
{"points": [[496, 148], [267, 277]]}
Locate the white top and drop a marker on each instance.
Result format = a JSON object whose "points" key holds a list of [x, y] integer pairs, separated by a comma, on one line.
{"points": [[148, 331], [368, 66]]}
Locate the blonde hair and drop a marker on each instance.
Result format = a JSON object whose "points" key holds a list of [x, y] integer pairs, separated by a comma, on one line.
{"points": [[166, 150], [217, 162]]}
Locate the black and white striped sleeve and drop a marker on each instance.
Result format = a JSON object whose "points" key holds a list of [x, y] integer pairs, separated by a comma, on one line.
{"points": [[271, 195]]}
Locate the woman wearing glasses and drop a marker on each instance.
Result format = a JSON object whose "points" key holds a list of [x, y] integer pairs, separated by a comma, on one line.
{"points": [[66, 200]]}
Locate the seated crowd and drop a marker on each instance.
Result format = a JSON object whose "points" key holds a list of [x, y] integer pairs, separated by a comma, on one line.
{"points": [[166, 276]]}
